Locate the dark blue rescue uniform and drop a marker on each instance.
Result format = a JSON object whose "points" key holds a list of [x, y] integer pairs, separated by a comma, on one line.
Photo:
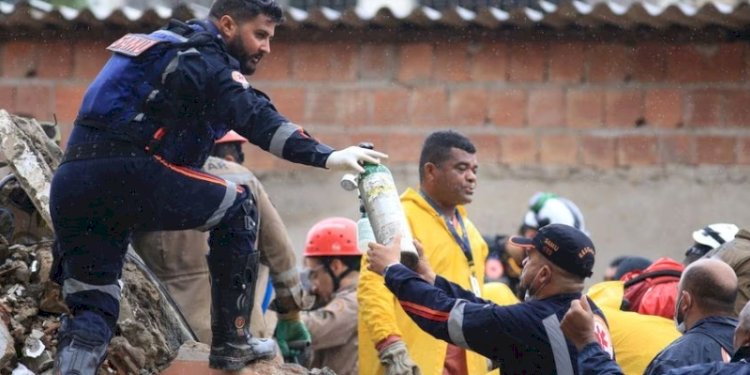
{"points": [[146, 125], [524, 338], [592, 360]]}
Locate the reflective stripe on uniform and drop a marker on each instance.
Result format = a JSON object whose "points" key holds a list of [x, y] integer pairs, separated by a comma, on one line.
{"points": [[230, 194], [71, 286], [280, 137], [558, 344], [456, 324]]}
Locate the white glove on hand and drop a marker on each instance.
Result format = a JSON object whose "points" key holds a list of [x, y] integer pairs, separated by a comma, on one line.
{"points": [[395, 358], [349, 159]]}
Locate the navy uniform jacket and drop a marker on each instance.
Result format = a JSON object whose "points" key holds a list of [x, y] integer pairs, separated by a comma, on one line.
{"points": [[524, 338], [703, 343], [594, 361], [177, 90]]}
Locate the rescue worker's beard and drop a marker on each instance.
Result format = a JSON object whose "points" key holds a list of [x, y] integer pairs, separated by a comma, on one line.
{"points": [[679, 317], [237, 50]]}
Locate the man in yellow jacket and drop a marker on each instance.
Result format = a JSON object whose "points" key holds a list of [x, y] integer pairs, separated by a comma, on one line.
{"points": [[389, 341], [636, 338]]}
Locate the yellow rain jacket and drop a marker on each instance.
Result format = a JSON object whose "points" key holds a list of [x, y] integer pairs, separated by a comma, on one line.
{"points": [[380, 314], [637, 338]]}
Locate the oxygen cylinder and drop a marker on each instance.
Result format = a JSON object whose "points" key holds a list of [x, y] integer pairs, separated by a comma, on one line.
{"points": [[365, 234], [383, 208]]}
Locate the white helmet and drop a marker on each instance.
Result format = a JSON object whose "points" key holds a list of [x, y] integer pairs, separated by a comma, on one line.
{"points": [[715, 235], [549, 208]]}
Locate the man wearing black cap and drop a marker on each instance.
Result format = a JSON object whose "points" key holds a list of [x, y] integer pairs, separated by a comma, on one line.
{"points": [[523, 338]]}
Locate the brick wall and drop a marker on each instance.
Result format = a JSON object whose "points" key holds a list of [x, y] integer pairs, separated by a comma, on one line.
{"points": [[526, 102]]}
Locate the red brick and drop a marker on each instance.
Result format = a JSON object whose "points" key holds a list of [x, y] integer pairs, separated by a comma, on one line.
{"points": [[391, 107], [89, 56], [637, 150], [704, 108], [322, 106], [566, 62], [706, 63], [677, 149], [55, 60], [404, 147], [377, 61], [355, 107], [650, 62], [737, 110], [598, 152], [558, 150], [291, 102], [546, 108], [623, 108], [585, 108], [507, 108], [491, 62], [488, 148], [310, 62], [743, 156], [518, 149], [663, 108], [468, 107], [451, 62], [277, 65], [610, 63], [34, 100], [528, 62], [68, 98], [8, 98], [342, 62], [415, 62], [428, 106], [19, 59], [715, 149]]}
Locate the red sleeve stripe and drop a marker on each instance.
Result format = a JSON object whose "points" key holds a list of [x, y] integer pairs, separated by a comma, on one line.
{"points": [[189, 172], [425, 312]]}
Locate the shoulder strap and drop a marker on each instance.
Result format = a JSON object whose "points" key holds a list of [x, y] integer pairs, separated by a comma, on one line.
{"points": [[653, 274]]}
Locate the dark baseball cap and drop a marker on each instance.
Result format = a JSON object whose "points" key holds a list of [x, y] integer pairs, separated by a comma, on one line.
{"points": [[563, 245]]}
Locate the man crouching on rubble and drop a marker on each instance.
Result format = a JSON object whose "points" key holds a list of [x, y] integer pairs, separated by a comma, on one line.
{"points": [[145, 128]]}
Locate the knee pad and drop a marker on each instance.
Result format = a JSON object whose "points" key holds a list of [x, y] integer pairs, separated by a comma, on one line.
{"points": [[237, 233]]}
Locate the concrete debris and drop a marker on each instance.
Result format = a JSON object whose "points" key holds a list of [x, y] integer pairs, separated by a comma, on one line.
{"points": [[150, 330]]}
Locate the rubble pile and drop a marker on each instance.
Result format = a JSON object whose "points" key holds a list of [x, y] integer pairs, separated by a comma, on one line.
{"points": [[151, 332]]}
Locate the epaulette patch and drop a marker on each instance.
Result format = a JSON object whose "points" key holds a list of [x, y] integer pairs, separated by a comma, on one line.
{"points": [[133, 44]]}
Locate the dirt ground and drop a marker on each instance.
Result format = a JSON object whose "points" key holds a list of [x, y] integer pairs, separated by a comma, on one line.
{"points": [[650, 212]]}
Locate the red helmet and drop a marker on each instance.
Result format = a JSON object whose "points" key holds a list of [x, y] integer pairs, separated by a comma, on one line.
{"points": [[231, 136], [335, 236]]}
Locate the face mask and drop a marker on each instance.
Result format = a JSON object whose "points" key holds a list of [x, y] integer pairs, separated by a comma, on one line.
{"points": [[531, 292]]}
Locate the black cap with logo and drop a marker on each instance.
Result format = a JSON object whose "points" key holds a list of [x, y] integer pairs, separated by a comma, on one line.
{"points": [[563, 245]]}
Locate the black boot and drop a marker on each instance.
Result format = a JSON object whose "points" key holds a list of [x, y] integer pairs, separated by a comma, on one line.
{"points": [[232, 297], [78, 352]]}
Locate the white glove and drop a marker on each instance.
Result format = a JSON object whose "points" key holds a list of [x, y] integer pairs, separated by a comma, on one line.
{"points": [[349, 159], [395, 358]]}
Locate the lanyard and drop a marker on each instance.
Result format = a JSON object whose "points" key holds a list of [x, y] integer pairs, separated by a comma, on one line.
{"points": [[463, 239]]}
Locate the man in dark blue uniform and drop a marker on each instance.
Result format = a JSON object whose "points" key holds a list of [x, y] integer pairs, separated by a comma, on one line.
{"points": [[146, 125], [523, 338]]}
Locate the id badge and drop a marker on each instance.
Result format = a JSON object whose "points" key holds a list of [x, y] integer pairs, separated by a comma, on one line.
{"points": [[475, 286]]}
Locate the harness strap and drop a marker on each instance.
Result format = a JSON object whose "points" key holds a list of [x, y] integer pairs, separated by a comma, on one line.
{"points": [[110, 149]]}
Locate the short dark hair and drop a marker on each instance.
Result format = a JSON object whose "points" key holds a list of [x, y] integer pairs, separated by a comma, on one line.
{"points": [[221, 150], [709, 290], [438, 145], [245, 10]]}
